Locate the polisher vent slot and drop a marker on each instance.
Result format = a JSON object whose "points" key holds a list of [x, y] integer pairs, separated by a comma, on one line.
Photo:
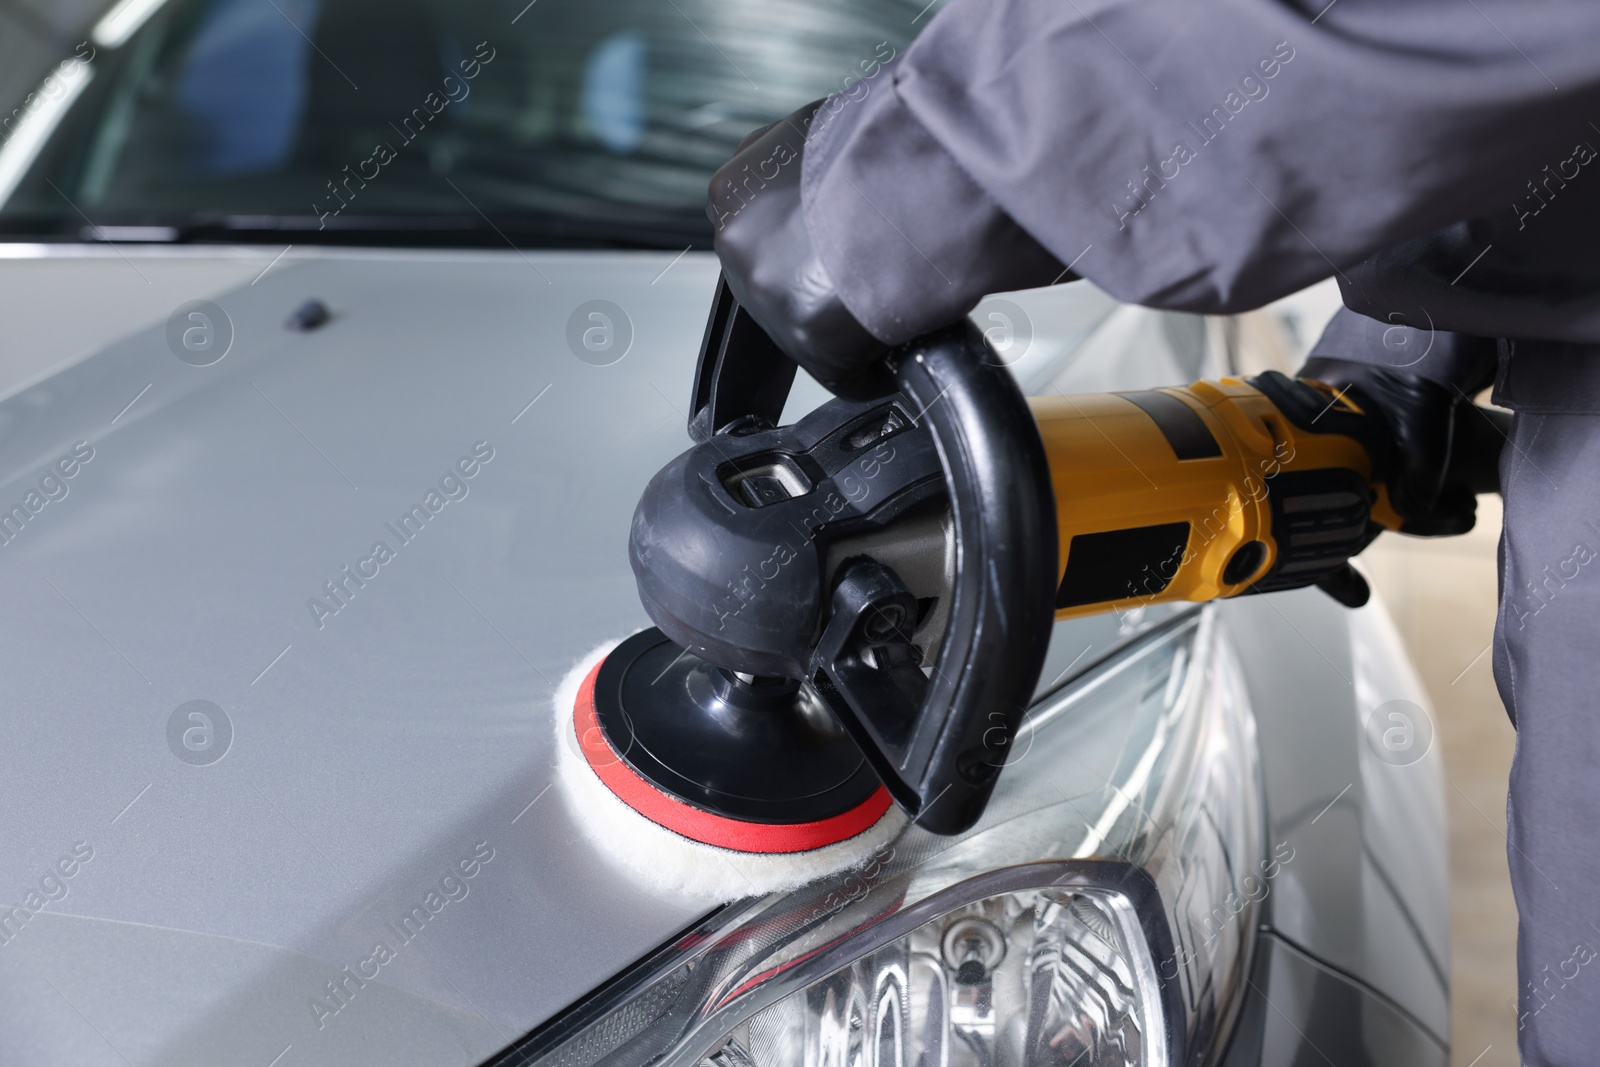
{"points": [[768, 479], [876, 431]]}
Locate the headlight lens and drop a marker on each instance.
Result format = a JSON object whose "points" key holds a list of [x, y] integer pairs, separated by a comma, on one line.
{"points": [[1101, 912], [1055, 976]]}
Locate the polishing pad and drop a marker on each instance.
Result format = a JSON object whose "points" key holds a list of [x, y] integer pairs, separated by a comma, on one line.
{"points": [[717, 834]]}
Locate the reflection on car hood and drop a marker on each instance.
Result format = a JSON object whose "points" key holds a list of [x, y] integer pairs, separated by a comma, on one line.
{"points": [[285, 630]]}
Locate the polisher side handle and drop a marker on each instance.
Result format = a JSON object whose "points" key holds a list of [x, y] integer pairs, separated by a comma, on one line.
{"points": [[741, 372], [943, 763]]}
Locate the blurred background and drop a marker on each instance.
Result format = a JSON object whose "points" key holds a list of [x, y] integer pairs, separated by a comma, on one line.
{"points": [[1441, 594], [35, 35]]}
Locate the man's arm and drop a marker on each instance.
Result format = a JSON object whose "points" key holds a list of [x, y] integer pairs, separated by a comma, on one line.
{"points": [[1460, 362], [1209, 157]]}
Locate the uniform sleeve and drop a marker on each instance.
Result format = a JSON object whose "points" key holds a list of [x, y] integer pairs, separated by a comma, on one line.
{"points": [[1457, 360], [1208, 157]]}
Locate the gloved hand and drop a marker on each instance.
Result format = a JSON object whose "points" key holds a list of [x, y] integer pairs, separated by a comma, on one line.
{"points": [[775, 272], [1423, 417]]}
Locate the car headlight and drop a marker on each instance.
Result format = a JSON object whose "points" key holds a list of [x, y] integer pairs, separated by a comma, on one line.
{"points": [[1055, 975], [1101, 912]]}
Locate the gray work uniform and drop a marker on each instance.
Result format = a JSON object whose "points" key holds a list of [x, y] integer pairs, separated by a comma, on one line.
{"points": [[1437, 156]]}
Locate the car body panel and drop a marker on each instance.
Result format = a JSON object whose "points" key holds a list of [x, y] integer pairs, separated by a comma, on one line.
{"points": [[415, 723], [377, 746], [1368, 891], [1300, 1011], [64, 303]]}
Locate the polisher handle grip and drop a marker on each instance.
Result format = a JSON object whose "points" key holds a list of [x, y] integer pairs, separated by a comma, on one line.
{"points": [[942, 764], [941, 754], [742, 373]]}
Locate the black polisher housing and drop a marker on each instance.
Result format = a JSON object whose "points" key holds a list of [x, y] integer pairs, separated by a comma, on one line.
{"points": [[760, 751], [773, 559]]}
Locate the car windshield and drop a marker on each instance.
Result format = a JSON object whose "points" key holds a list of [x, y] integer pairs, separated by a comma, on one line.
{"points": [[544, 123]]}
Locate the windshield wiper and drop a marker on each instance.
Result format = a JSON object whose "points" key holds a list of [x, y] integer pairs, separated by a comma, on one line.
{"points": [[517, 230], [426, 231]]}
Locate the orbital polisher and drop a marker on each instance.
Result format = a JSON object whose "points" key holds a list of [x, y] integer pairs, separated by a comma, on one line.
{"points": [[851, 612]]}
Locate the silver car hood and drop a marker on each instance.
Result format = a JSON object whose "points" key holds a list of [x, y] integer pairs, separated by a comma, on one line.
{"points": [[375, 749]]}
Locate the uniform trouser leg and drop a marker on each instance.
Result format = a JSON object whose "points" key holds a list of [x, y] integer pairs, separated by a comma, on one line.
{"points": [[1547, 667]]}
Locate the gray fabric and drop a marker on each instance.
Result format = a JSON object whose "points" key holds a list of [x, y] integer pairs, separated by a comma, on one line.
{"points": [[1541, 377], [1212, 157], [1454, 359], [1548, 673], [1536, 277], [944, 264]]}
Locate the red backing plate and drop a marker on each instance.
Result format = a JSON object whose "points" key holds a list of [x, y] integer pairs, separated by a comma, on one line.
{"points": [[697, 825]]}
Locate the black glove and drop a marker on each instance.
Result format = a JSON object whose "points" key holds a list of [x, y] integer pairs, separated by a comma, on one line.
{"points": [[1422, 417], [775, 272]]}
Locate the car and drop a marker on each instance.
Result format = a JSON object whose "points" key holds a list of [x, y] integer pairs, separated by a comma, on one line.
{"points": [[344, 337]]}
